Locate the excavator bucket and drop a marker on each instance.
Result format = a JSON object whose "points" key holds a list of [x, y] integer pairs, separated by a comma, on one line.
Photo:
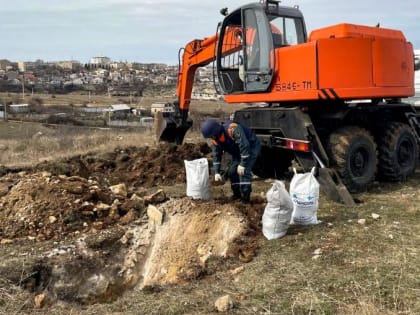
{"points": [[333, 187], [171, 127], [173, 133]]}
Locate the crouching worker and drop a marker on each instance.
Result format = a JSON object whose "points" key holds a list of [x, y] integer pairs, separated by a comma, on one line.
{"points": [[244, 147]]}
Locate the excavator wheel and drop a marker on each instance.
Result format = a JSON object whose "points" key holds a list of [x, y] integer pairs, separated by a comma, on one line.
{"points": [[398, 152], [353, 154]]}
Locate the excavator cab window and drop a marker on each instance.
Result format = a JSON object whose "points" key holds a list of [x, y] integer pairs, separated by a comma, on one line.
{"points": [[287, 31], [245, 54]]}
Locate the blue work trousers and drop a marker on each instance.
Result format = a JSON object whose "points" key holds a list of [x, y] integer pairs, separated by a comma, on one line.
{"points": [[242, 185]]}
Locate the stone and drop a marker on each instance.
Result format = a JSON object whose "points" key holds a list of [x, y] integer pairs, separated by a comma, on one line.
{"points": [[52, 219], [155, 214], [237, 270], [129, 204], [39, 300], [4, 189], [119, 190], [76, 188], [86, 206], [246, 255], [224, 303], [375, 216], [129, 217], [43, 299], [138, 201], [77, 179], [157, 197], [46, 174], [361, 221], [100, 206], [204, 251]]}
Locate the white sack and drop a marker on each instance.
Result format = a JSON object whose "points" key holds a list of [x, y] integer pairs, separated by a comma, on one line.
{"points": [[277, 212], [304, 191], [198, 185]]}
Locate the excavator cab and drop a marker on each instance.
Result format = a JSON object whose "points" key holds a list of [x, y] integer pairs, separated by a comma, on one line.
{"points": [[249, 37]]}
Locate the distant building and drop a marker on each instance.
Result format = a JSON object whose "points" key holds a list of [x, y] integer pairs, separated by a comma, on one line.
{"points": [[120, 65], [69, 65], [21, 66], [162, 107], [6, 64], [101, 60], [19, 108], [147, 122], [120, 111]]}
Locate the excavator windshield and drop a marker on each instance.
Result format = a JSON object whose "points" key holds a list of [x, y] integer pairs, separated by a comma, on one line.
{"points": [[246, 47]]}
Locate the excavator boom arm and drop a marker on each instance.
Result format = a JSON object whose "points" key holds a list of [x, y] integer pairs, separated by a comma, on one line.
{"points": [[197, 53], [201, 52]]}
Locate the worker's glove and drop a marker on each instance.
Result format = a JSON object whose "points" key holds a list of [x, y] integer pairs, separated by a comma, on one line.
{"points": [[240, 170], [217, 177]]}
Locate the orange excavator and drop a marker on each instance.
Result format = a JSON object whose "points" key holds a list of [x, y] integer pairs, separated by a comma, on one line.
{"points": [[333, 99]]}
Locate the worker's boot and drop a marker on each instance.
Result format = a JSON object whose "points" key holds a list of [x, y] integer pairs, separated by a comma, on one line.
{"points": [[235, 197], [246, 197], [236, 193], [246, 193]]}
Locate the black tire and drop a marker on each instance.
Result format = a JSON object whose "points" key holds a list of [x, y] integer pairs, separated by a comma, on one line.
{"points": [[398, 152], [353, 153]]}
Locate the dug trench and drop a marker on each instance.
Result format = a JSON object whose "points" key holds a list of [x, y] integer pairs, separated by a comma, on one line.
{"points": [[87, 228]]}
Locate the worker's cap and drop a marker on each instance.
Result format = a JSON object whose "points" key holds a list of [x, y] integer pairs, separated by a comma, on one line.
{"points": [[211, 128]]}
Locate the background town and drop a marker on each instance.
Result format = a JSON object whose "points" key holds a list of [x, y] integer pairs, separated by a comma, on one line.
{"points": [[121, 89]]}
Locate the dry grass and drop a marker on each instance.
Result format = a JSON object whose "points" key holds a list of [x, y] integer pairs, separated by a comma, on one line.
{"points": [[25, 144]]}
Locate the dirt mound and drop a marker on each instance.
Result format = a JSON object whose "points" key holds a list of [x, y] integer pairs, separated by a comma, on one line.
{"points": [[95, 208], [42, 206], [135, 166], [75, 195]]}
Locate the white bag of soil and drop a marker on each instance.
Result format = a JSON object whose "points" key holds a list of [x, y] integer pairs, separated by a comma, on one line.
{"points": [[198, 185], [304, 191], [277, 212]]}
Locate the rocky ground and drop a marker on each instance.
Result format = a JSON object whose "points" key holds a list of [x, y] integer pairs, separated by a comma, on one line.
{"points": [[88, 228]]}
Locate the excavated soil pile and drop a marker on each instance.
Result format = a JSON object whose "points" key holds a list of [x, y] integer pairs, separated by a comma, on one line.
{"points": [[135, 166], [91, 191], [108, 233]]}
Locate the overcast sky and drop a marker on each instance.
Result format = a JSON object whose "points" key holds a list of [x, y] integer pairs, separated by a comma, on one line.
{"points": [[154, 30]]}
